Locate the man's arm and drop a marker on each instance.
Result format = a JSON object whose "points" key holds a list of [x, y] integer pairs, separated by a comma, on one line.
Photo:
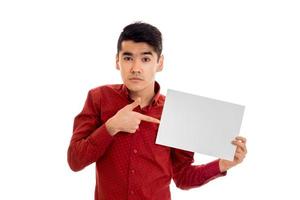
{"points": [[90, 137], [187, 176]]}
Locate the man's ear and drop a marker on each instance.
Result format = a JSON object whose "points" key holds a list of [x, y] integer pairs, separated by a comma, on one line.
{"points": [[160, 63], [117, 62]]}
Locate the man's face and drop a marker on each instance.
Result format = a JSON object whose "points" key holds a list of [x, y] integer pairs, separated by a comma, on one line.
{"points": [[138, 63]]}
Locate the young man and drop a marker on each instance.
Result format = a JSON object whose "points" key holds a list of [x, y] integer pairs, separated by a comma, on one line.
{"points": [[118, 125]]}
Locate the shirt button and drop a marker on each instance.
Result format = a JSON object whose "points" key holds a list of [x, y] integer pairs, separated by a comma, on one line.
{"points": [[131, 192], [135, 151], [132, 171]]}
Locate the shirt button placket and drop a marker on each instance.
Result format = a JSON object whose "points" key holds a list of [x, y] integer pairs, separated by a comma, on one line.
{"points": [[131, 183], [135, 152]]}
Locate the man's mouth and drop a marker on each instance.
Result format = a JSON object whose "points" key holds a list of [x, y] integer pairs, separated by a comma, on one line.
{"points": [[135, 79]]}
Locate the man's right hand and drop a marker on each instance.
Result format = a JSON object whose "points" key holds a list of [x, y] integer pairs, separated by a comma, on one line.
{"points": [[127, 120]]}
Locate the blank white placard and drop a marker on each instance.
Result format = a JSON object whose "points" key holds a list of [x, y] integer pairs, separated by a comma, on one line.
{"points": [[200, 124]]}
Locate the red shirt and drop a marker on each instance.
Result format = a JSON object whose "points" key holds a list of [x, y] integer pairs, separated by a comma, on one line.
{"points": [[131, 166]]}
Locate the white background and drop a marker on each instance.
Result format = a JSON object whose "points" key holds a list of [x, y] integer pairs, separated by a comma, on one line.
{"points": [[53, 52]]}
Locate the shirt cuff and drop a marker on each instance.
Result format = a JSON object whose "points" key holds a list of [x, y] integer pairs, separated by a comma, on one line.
{"points": [[101, 137], [213, 170]]}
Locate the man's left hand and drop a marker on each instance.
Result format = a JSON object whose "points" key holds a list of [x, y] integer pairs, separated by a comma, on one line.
{"points": [[240, 154]]}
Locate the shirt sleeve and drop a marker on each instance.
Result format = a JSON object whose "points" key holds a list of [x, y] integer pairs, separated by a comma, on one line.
{"points": [[187, 176], [90, 137]]}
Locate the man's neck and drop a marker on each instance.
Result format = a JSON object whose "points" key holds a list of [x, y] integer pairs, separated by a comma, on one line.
{"points": [[146, 95]]}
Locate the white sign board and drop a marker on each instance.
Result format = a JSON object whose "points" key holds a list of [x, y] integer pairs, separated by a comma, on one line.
{"points": [[199, 124]]}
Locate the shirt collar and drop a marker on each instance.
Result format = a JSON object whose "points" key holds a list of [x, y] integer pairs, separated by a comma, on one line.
{"points": [[155, 99]]}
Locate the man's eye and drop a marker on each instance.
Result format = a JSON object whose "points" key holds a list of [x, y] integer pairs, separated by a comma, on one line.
{"points": [[127, 58], [146, 59]]}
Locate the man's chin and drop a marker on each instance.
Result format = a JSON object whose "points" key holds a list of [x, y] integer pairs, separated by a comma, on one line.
{"points": [[135, 87]]}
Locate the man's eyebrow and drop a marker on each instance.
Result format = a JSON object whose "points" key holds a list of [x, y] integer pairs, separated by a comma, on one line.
{"points": [[127, 53], [147, 53]]}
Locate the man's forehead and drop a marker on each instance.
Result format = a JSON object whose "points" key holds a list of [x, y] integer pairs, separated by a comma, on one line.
{"points": [[136, 48]]}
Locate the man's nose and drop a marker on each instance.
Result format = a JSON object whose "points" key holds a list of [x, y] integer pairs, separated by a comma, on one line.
{"points": [[136, 66]]}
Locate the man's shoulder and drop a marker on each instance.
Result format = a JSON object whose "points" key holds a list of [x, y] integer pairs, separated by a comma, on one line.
{"points": [[107, 87], [162, 97], [161, 100]]}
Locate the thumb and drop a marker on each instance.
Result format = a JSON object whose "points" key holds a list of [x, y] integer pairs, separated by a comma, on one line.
{"points": [[136, 103]]}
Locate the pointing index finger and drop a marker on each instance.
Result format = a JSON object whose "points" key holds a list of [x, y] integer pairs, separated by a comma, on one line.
{"points": [[148, 118]]}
